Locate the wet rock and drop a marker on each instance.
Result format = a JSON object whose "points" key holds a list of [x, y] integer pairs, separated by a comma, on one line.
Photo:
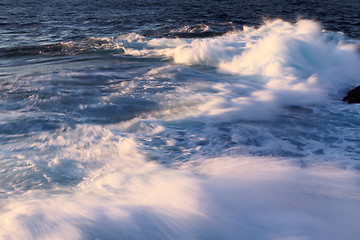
{"points": [[353, 96]]}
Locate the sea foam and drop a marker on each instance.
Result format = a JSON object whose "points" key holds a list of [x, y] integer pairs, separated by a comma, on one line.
{"points": [[293, 64], [227, 197], [188, 170]]}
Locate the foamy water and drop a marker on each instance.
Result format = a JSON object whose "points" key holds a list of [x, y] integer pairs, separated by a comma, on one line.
{"points": [[237, 136]]}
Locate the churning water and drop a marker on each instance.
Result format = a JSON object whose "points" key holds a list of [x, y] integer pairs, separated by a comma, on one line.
{"points": [[179, 120]]}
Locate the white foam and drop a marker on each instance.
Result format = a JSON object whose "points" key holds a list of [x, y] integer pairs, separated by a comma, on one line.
{"points": [[192, 29], [227, 197], [294, 64]]}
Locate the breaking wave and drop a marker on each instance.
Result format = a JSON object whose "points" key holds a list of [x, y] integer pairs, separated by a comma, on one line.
{"points": [[125, 196], [286, 64]]}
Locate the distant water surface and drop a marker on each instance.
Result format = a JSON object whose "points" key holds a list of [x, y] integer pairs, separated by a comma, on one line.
{"points": [[43, 22]]}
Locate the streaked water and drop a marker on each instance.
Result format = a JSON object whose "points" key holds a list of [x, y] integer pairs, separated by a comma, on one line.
{"points": [[179, 120]]}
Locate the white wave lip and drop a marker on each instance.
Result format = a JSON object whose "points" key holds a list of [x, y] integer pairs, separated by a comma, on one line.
{"points": [[292, 64]]}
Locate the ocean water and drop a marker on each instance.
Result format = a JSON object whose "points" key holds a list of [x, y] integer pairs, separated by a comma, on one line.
{"points": [[151, 119]]}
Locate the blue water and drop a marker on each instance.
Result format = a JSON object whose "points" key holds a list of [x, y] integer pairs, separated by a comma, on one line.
{"points": [[179, 120]]}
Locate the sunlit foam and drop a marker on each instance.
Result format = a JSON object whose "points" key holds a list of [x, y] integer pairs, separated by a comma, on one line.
{"points": [[294, 64], [226, 197]]}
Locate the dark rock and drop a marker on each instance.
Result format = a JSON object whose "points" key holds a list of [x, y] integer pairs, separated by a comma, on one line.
{"points": [[353, 96]]}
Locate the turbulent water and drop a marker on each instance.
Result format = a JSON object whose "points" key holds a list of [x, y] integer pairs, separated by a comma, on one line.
{"points": [[179, 120]]}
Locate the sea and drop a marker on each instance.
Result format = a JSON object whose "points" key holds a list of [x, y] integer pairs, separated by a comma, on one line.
{"points": [[192, 119]]}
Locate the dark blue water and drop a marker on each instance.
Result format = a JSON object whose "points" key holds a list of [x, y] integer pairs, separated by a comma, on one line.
{"points": [[29, 23], [179, 119]]}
